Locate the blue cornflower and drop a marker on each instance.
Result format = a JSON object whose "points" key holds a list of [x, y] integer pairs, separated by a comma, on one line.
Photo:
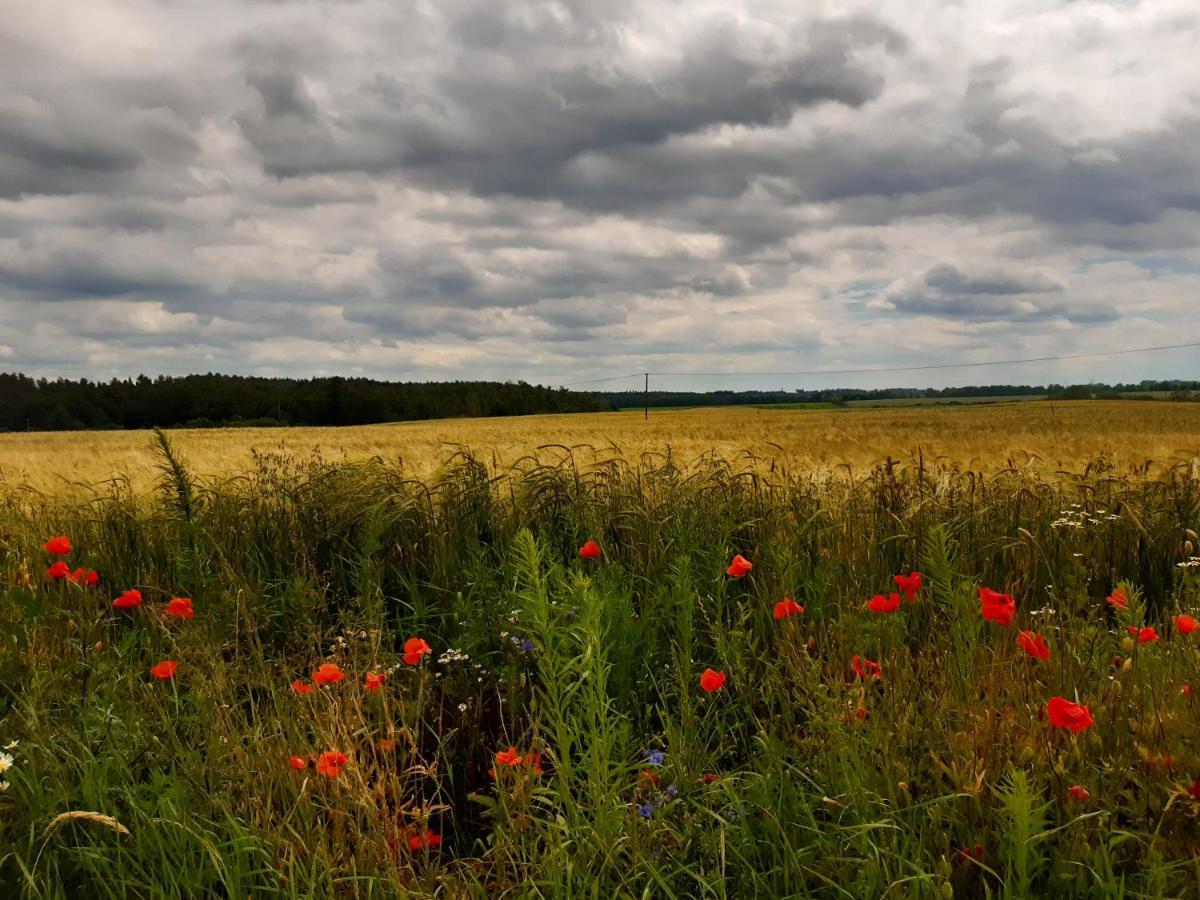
{"points": [[528, 645], [654, 757], [645, 810], [672, 790]]}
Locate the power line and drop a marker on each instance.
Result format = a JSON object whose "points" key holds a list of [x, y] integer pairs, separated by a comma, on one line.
{"points": [[921, 368]]}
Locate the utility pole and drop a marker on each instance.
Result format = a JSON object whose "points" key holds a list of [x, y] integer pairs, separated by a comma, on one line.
{"points": [[646, 396]]}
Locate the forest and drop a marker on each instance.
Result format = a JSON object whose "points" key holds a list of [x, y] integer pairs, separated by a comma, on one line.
{"points": [[200, 401]]}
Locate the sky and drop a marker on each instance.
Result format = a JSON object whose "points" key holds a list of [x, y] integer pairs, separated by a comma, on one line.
{"points": [[571, 190]]}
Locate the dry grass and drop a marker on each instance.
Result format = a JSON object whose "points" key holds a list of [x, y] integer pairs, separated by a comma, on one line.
{"points": [[1050, 435]]}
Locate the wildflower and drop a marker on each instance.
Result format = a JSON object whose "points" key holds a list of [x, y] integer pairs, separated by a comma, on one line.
{"points": [[908, 584], [1071, 716], [996, 607], [59, 570], [860, 713], [509, 757], [1194, 790], [300, 686], [331, 762], [1145, 635], [739, 567], [654, 757], [387, 744], [129, 600], [967, 854], [787, 607], [882, 604], [92, 578], [414, 649], [1078, 793], [1118, 599], [6, 762], [1033, 644], [533, 762], [1185, 623], [327, 673], [864, 668], [589, 550], [709, 778], [424, 841], [373, 681], [3, 786], [164, 670], [299, 763], [1186, 690], [12, 745], [59, 546], [712, 681], [645, 810], [650, 778], [180, 607]]}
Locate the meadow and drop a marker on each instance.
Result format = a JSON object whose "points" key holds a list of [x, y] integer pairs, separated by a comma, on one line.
{"points": [[400, 668]]}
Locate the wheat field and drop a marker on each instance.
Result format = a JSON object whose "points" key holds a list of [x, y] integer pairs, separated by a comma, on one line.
{"points": [[984, 437]]}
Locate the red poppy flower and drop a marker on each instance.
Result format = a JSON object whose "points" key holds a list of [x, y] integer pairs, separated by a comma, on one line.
{"points": [[76, 577], [374, 681], [1118, 599], [59, 546], [1071, 716], [712, 681], [739, 567], [908, 584], [1078, 793], [328, 673], [864, 668], [387, 744], [534, 762], [709, 777], [882, 604], [589, 550], [1033, 644], [508, 757], [787, 607], [1145, 635], [300, 686], [164, 670], [860, 713], [298, 763], [423, 841], [59, 570], [129, 600], [1185, 623], [651, 778], [180, 607], [414, 649], [996, 607], [92, 578], [968, 853], [1186, 690], [331, 762]]}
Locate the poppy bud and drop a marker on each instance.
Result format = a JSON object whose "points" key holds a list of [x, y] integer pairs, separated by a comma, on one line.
{"points": [[99, 646], [1192, 536], [1188, 547], [811, 643], [1127, 644], [1127, 666]]}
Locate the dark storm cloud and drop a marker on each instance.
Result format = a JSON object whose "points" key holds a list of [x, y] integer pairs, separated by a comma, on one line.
{"points": [[464, 187]]}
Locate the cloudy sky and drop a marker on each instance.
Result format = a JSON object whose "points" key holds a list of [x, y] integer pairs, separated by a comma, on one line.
{"points": [[567, 190]]}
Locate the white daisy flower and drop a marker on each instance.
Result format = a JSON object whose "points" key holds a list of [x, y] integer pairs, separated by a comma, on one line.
{"points": [[6, 762]]}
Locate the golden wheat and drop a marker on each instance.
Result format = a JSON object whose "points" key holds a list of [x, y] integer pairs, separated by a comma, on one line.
{"points": [[986, 437]]}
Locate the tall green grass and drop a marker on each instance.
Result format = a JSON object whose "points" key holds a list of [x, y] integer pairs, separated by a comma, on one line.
{"points": [[797, 779]]}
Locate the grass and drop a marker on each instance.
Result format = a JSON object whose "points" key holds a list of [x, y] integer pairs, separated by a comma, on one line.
{"points": [[940, 779], [987, 437]]}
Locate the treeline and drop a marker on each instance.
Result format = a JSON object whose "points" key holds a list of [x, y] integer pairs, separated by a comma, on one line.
{"points": [[199, 401], [838, 396]]}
